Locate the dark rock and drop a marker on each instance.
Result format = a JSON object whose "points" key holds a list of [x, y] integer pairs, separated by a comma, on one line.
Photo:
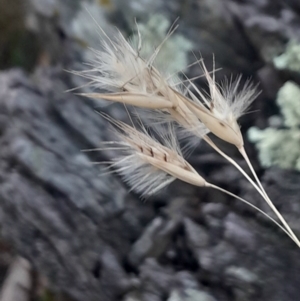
{"points": [[238, 232], [68, 217], [244, 283], [154, 241], [80, 227]]}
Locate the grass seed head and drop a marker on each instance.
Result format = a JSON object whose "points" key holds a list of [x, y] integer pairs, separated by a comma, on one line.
{"points": [[130, 79], [148, 165], [220, 109]]}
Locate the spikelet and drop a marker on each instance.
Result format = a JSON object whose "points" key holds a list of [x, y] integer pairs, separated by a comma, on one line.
{"points": [[119, 69], [146, 164], [220, 109]]}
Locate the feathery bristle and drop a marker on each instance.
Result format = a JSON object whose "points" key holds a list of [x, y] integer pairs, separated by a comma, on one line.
{"points": [[237, 101], [220, 109], [229, 99]]}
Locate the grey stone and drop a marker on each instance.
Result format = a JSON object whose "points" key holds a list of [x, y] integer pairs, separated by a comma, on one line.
{"points": [[190, 295], [154, 241]]}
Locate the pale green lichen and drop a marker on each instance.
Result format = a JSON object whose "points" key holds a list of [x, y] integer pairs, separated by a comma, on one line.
{"points": [[290, 59], [281, 147], [288, 99], [173, 54]]}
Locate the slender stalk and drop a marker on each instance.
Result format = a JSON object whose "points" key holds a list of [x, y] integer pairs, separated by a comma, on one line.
{"points": [[217, 149], [270, 203], [251, 205], [260, 191], [245, 156]]}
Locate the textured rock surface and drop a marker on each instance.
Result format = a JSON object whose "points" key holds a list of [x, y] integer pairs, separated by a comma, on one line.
{"points": [[81, 228]]}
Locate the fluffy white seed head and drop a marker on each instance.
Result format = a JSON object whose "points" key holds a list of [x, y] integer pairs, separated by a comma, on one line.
{"points": [[148, 165], [220, 109], [129, 78]]}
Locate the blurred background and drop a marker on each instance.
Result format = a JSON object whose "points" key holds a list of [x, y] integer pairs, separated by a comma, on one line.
{"points": [[71, 231]]}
